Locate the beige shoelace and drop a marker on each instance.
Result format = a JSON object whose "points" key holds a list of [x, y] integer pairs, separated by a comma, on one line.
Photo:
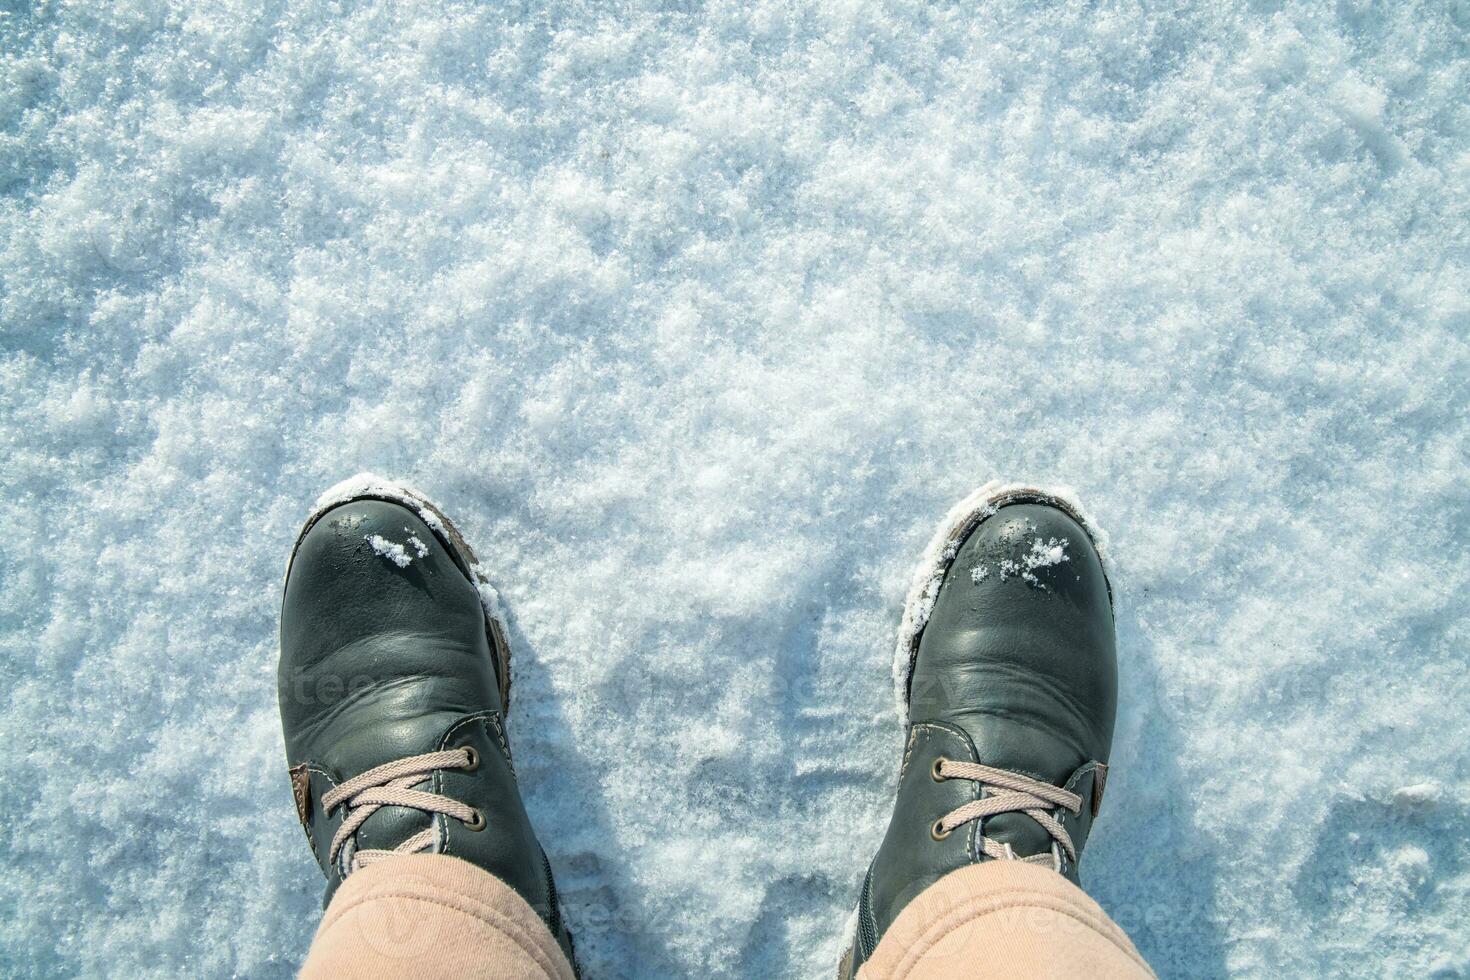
{"points": [[1022, 794], [388, 785]]}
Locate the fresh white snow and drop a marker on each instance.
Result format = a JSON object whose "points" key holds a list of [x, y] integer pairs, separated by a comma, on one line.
{"points": [[697, 318], [1043, 553], [395, 552]]}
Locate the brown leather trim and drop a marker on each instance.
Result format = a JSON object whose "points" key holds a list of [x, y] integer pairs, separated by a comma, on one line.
{"points": [[301, 791]]}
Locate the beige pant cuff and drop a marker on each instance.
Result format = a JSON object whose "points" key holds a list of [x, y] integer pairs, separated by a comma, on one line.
{"points": [[431, 915], [1003, 918]]}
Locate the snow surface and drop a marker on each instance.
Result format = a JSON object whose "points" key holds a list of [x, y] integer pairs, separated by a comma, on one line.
{"points": [[697, 317]]}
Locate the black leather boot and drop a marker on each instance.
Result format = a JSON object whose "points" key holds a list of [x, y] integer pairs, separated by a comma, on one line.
{"points": [[394, 679], [1007, 685]]}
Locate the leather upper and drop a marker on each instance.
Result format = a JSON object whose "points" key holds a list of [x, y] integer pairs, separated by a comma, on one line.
{"points": [[386, 655], [1016, 669]]}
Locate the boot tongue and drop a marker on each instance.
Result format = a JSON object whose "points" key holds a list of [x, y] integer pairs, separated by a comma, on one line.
{"points": [[392, 825], [390, 736], [1030, 752]]}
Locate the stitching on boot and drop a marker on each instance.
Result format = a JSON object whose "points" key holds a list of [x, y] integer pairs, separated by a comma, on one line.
{"points": [[908, 751], [494, 719], [972, 846], [440, 821], [310, 767], [470, 720]]}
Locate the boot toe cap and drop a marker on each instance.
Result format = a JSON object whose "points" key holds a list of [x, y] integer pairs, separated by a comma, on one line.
{"points": [[378, 619]]}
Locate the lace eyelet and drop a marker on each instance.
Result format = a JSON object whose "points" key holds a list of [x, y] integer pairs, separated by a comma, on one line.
{"points": [[473, 762], [938, 832], [476, 822], [934, 770]]}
